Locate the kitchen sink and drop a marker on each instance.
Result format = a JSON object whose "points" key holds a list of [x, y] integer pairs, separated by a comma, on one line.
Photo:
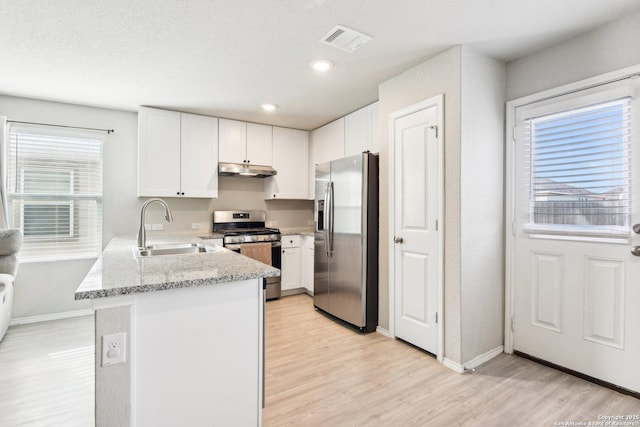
{"points": [[172, 249]]}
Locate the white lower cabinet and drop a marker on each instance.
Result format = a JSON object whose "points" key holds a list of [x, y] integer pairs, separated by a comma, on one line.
{"points": [[307, 263], [291, 263]]}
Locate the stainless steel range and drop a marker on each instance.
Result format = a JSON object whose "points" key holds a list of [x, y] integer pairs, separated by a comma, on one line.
{"points": [[243, 228]]}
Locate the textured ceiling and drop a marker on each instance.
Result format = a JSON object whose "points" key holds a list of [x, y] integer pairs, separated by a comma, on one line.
{"points": [[225, 58]]}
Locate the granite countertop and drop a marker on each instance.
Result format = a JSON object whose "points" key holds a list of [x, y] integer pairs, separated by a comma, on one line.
{"points": [[307, 230], [120, 272]]}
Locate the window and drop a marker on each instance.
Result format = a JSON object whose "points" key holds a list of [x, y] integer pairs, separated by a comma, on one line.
{"points": [[579, 167], [55, 191]]}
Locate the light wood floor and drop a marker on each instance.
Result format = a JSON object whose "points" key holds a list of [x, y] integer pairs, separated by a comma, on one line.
{"points": [[318, 373], [46, 374]]}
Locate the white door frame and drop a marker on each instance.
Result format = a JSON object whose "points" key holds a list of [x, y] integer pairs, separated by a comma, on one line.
{"points": [[437, 101], [509, 303]]}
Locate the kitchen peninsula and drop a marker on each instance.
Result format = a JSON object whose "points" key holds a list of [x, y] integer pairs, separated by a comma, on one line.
{"points": [[194, 335]]}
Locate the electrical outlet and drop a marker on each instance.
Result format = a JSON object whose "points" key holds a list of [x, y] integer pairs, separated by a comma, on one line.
{"points": [[273, 223], [114, 348], [196, 226], [147, 227], [156, 227]]}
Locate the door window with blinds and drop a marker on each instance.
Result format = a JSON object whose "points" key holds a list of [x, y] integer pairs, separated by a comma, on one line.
{"points": [[577, 161], [55, 191]]}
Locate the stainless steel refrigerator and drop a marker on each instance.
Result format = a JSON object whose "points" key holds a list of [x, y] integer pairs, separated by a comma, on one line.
{"points": [[346, 240]]}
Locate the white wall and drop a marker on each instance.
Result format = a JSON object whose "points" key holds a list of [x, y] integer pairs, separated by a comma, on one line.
{"points": [[438, 75], [611, 47], [482, 222], [473, 88], [48, 287]]}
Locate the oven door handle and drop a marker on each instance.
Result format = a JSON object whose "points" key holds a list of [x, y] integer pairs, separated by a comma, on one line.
{"points": [[236, 246]]}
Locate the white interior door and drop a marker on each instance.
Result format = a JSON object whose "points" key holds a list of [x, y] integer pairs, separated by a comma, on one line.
{"points": [[417, 248], [575, 280]]}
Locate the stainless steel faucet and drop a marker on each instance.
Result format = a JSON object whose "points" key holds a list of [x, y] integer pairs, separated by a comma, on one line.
{"points": [[142, 235]]}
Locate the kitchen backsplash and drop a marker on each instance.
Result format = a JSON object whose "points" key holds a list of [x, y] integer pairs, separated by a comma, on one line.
{"points": [[234, 193]]}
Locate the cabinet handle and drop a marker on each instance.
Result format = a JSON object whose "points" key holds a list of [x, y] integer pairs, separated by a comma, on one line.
{"points": [[274, 196], [182, 194], [283, 251], [178, 193], [248, 161]]}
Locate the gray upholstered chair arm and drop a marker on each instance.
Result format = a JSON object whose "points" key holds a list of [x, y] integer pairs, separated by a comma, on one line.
{"points": [[10, 243]]}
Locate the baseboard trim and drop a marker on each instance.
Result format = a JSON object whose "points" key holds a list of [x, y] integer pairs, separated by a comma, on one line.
{"points": [[477, 361], [383, 331], [473, 363], [454, 366], [52, 316]]}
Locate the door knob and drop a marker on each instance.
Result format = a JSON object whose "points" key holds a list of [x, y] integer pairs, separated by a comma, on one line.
{"points": [[398, 239], [635, 250], [636, 228]]}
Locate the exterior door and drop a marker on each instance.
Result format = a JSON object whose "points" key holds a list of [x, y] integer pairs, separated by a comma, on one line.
{"points": [[417, 253], [575, 281]]}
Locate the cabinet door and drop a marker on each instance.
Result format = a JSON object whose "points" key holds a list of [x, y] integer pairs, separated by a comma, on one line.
{"points": [[357, 132], [307, 255], [233, 141], [374, 126], [361, 130], [158, 152], [328, 142], [259, 144], [290, 271], [290, 160], [199, 156]]}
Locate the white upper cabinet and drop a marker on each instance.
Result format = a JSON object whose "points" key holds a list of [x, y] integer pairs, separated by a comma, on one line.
{"points": [[233, 141], [328, 142], [199, 156], [260, 144], [177, 154], [291, 162], [242, 142], [361, 130]]}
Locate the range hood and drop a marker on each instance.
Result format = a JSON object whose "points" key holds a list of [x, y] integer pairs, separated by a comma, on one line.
{"points": [[245, 169]]}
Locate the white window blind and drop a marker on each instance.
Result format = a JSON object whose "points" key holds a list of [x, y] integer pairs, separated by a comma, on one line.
{"points": [[55, 191], [579, 165]]}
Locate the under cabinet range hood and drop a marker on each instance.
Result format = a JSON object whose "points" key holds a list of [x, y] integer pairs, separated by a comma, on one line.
{"points": [[245, 169]]}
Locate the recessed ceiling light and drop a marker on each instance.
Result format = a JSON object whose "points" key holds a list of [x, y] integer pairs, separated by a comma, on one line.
{"points": [[269, 107], [321, 65]]}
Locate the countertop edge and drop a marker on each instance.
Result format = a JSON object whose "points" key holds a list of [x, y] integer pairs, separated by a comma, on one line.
{"points": [[130, 290], [119, 249]]}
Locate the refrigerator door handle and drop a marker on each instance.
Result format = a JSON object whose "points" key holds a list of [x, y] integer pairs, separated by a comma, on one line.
{"points": [[331, 219], [325, 224], [329, 209]]}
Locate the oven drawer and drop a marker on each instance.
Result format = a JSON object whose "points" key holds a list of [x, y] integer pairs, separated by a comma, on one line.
{"points": [[290, 241]]}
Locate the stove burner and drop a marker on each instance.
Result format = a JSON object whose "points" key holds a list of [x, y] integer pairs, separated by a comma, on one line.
{"points": [[243, 227]]}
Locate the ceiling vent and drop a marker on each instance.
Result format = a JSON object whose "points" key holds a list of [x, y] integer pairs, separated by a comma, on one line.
{"points": [[345, 38]]}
